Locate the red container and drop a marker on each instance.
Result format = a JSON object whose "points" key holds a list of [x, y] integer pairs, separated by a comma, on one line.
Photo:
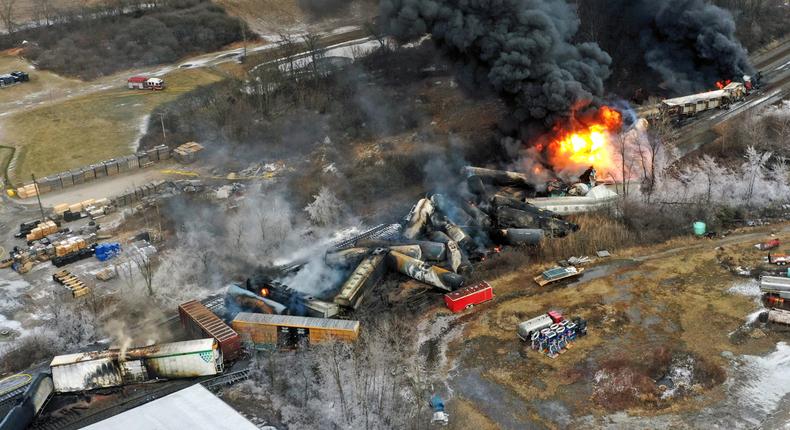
{"points": [[555, 316], [200, 322], [467, 297]]}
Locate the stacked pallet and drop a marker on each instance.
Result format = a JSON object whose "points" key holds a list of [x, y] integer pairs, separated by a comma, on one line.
{"points": [[71, 282], [43, 229], [187, 153], [26, 191], [70, 245]]}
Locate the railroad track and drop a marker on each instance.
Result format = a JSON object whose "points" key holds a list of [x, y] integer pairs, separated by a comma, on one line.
{"points": [[227, 379], [381, 231]]}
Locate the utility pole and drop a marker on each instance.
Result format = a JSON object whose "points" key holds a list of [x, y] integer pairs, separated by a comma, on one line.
{"points": [[38, 197], [162, 120]]}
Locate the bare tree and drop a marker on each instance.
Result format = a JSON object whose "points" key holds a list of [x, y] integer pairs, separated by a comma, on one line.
{"points": [[8, 15], [754, 168], [145, 267]]}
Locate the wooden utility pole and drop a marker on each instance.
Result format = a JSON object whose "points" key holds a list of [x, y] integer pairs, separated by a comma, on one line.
{"points": [[38, 197]]}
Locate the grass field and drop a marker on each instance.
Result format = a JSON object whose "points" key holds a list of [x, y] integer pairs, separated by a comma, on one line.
{"points": [[88, 128], [42, 84]]}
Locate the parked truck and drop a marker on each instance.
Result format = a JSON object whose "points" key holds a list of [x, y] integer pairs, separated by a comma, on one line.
{"points": [[12, 78]]}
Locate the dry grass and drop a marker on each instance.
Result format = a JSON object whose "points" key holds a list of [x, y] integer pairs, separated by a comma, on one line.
{"points": [[596, 232], [42, 84], [89, 128]]}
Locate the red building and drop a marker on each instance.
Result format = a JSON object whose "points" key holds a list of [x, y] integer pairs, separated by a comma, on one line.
{"points": [[467, 297]]}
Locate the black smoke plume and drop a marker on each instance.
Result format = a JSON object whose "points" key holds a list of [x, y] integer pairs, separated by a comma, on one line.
{"points": [[691, 43], [522, 49], [688, 44]]}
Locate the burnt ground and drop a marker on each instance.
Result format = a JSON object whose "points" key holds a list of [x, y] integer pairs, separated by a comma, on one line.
{"points": [[667, 340]]}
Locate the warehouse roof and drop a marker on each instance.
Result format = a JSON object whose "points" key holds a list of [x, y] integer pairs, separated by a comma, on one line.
{"points": [[193, 408], [292, 321]]}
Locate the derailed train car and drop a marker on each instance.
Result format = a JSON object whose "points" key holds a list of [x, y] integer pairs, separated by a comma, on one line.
{"points": [[111, 368], [30, 404]]}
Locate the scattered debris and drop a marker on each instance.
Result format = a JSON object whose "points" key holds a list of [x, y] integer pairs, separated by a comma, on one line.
{"points": [[603, 253], [557, 274]]}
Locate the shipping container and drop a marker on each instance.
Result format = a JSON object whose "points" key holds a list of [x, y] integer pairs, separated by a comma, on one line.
{"points": [[268, 330], [200, 323], [467, 297], [101, 369]]}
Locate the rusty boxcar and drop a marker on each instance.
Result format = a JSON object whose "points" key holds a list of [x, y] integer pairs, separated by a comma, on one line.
{"points": [[267, 330], [200, 323]]}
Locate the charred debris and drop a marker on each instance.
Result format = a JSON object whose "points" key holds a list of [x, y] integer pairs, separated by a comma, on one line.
{"points": [[436, 243]]}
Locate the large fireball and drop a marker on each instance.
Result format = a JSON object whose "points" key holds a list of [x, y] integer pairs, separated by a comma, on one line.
{"points": [[585, 142]]}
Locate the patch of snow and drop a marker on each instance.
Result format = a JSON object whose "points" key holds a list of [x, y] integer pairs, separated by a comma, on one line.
{"points": [[749, 288]]}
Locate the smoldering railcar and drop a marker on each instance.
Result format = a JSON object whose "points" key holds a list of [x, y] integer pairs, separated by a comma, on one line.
{"points": [[110, 368], [31, 402], [362, 279], [267, 330]]}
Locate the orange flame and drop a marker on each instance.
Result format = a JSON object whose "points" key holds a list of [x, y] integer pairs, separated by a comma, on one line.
{"points": [[586, 142], [721, 84], [264, 292]]}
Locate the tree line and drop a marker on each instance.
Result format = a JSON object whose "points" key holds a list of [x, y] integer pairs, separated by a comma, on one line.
{"points": [[116, 35]]}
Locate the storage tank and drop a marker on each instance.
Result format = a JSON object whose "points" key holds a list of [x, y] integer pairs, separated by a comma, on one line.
{"points": [[526, 328]]}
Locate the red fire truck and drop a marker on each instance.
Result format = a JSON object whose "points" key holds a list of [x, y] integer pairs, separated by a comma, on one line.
{"points": [[467, 297], [145, 83]]}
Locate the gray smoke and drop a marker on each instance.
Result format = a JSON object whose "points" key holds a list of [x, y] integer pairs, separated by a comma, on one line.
{"points": [[520, 48], [691, 43]]}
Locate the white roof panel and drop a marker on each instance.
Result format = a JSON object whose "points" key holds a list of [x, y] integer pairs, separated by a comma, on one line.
{"points": [[193, 408]]}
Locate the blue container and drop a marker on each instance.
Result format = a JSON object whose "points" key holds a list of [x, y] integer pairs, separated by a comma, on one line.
{"points": [[699, 228], [107, 251]]}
